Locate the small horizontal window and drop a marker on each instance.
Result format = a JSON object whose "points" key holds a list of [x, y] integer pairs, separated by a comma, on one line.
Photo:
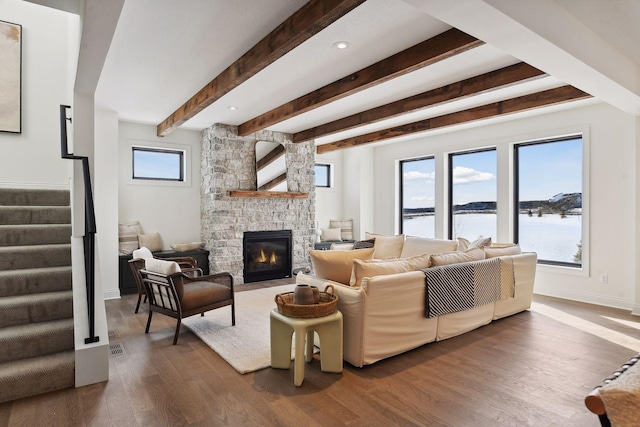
{"points": [[323, 175], [158, 164]]}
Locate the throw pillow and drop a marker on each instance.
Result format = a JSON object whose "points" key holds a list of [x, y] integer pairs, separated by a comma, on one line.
{"points": [[421, 245], [151, 241], [161, 266], [480, 242], [128, 237], [345, 226], [362, 269], [337, 265], [387, 246], [331, 235], [184, 247], [455, 257], [143, 253], [495, 251], [364, 244]]}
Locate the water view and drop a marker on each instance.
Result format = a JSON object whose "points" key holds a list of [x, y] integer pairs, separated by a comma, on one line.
{"points": [[551, 236]]}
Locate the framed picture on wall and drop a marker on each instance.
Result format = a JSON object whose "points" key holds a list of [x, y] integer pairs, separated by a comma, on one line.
{"points": [[10, 77]]}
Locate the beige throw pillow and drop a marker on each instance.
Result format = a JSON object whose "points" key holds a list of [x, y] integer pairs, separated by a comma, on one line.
{"points": [[455, 257], [496, 251], [331, 235], [161, 266], [337, 265], [362, 269], [128, 237], [151, 241], [386, 246], [421, 245]]}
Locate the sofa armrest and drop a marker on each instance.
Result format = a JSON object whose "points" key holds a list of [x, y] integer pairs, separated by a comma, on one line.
{"points": [[351, 303]]}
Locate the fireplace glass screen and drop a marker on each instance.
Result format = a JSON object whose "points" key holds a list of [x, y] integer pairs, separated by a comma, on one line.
{"points": [[267, 255]]}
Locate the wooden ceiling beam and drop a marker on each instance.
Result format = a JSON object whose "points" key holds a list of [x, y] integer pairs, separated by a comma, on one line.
{"points": [[498, 79], [299, 27], [515, 105], [442, 46]]}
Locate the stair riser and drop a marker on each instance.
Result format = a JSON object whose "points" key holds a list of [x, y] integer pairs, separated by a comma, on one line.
{"points": [[34, 235], [15, 258], [23, 282], [19, 313], [38, 344], [19, 215], [21, 197]]}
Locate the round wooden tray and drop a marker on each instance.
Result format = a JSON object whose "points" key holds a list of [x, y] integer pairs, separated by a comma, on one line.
{"points": [[327, 305]]}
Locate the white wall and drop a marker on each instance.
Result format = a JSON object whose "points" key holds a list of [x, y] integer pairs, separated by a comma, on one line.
{"points": [[49, 44], [172, 209], [329, 201], [610, 137], [105, 188]]}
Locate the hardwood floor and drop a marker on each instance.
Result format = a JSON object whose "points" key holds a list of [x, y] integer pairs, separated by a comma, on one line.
{"points": [[525, 370]]}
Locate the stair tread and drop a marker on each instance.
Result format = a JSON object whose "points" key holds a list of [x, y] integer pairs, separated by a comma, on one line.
{"points": [[36, 298], [34, 197], [35, 328], [33, 247], [33, 271], [53, 358]]}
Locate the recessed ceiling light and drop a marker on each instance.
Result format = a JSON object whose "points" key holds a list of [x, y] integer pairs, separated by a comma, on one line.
{"points": [[232, 107], [341, 45]]}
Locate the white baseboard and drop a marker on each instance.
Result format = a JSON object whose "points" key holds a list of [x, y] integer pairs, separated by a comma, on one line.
{"points": [[598, 299], [636, 310], [112, 294]]}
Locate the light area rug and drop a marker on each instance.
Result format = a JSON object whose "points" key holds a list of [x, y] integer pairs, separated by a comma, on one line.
{"points": [[246, 346]]}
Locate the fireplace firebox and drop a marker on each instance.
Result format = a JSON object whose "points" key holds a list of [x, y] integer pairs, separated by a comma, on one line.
{"points": [[267, 255]]}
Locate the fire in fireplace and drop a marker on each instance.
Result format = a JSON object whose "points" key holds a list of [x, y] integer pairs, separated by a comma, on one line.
{"points": [[267, 255]]}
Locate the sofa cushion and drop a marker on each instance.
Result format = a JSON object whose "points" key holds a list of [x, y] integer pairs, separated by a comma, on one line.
{"points": [[331, 235], [455, 257], [345, 226], [502, 250], [386, 246], [161, 266], [337, 265], [421, 245], [151, 241], [377, 267]]}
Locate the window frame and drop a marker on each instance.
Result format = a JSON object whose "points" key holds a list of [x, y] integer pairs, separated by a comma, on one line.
{"points": [[329, 168], [401, 187], [516, 196], [181, 160], [450, 157]]}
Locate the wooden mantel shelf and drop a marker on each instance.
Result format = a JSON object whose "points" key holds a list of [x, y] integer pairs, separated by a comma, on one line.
{"points": [[271, 194]]}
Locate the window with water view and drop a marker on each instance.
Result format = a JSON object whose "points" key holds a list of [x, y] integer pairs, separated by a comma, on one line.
{"points": [[473, 194], [549, 200], [417, 178]]}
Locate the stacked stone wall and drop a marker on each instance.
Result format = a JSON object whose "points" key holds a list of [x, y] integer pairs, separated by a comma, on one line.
{"points": [[229, 163]]}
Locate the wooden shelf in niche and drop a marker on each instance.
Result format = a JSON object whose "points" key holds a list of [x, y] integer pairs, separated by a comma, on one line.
{"points": [[270, 194]]}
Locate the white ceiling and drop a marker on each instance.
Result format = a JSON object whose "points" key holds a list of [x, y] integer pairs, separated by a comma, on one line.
{"points": [[164, 51]]}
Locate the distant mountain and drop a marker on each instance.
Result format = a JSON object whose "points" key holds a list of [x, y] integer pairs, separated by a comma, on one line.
{"points": [[561, 202]]}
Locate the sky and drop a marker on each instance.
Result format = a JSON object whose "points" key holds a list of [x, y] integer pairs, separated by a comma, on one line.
{"points": [[161, 165], [545, 170]]}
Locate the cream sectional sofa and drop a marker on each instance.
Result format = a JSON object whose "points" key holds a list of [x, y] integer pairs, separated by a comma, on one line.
{"points": [[385, 315]]}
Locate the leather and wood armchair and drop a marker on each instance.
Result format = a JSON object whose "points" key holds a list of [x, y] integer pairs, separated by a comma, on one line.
{"points": [[179, 295], [187, 265]]}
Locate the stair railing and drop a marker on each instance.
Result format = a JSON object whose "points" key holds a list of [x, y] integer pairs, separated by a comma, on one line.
{"points": [[89, 226]]}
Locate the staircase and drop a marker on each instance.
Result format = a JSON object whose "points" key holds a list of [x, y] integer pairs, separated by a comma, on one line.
{"points": [[36, 308]]}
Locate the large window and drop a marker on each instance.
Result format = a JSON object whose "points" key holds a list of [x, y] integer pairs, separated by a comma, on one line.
{"points": [[473, 194], [548, 197], [158, 164], [417, 197]]}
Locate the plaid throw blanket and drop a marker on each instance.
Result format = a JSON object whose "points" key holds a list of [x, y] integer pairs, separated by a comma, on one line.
{"points": [[458, 287]]}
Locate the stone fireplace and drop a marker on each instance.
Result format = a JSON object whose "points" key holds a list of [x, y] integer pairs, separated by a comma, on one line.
{"points": [[228, 164]]}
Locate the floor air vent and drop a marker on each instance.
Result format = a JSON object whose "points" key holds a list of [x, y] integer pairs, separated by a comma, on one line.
{"points": [[116, 349]]}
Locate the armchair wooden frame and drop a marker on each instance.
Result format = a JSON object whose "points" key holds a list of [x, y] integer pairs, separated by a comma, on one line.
{"points": [[179, 295]]}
